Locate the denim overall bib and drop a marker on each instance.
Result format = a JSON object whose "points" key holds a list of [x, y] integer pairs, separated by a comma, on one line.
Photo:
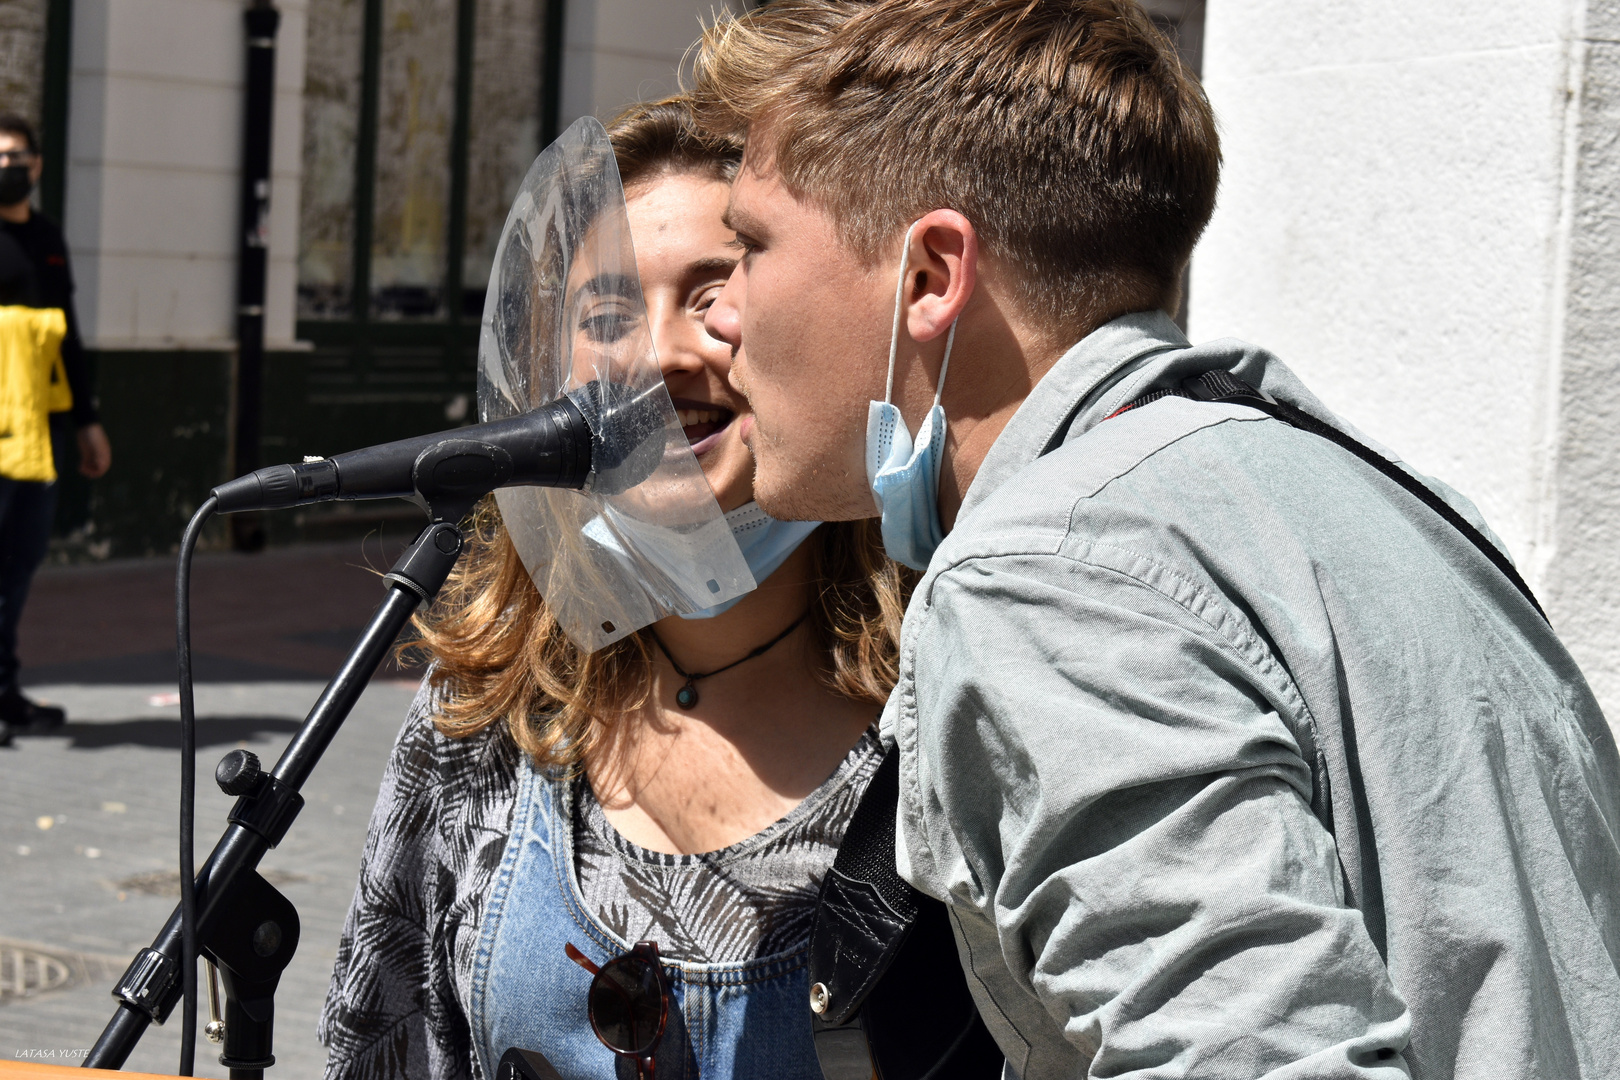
{"points": [[725, 1020]]}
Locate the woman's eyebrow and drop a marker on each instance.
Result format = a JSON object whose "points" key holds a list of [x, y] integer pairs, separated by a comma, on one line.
{"points": [[718, 265], [613, 285]]}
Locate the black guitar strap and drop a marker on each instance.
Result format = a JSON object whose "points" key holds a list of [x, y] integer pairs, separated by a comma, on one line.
{"points": [[1223, 386], [888, 998]]}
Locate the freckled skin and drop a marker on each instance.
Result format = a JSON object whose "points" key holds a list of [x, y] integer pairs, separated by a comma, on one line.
{"points": [[767, 733], [675, 225], [814, 324]]}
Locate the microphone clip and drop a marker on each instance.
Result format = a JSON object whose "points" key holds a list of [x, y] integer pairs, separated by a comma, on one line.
{"points": [[451, 476]]}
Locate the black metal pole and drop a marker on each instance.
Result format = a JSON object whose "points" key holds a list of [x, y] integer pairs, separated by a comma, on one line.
{"points": [[54, 107], [153, 978], [551, 61], [262, 20], [460, 135], [365, 177]]}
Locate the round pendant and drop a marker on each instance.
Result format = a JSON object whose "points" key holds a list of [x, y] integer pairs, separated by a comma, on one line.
{"points": [[686, 697]]}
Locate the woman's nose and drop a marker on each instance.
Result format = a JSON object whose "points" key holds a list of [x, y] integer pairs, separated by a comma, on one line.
{"points": [[678, 342], [724, 317]]}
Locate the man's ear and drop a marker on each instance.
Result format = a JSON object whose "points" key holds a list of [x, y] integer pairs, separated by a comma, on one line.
{"points": [[941, 272]]}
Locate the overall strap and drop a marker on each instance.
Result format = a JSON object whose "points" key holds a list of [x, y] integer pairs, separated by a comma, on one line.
{"points": [[1223, 386]]}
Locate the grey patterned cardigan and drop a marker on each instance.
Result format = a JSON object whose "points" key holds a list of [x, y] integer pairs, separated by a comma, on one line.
{"points": [[404, 963], [396, 1005]]}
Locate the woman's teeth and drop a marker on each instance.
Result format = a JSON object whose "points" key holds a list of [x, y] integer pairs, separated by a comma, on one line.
{"points": [[693, 417]]}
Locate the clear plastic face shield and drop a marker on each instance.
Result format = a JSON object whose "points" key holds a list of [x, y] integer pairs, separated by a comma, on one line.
{"points": [[564, 314]]}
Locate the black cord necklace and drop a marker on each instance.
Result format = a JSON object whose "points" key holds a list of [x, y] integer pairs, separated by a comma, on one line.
{"points": [[687, 696]]}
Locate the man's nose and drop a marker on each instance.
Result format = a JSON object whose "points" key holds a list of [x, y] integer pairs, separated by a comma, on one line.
{"points": [[724, 317]]}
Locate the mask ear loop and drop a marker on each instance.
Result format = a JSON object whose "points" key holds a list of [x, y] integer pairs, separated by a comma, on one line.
{"points": [[899, 294], [945, 364], [939, 393]]}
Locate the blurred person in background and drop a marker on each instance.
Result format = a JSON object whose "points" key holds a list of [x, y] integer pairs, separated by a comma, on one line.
{"points": [[688, 785], [34, 274]]}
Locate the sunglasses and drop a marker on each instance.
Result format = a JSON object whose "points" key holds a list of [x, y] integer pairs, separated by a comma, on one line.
{"points": [[628, 1002]]}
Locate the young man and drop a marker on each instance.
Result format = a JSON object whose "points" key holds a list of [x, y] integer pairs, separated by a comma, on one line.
{"points": [[1231, 755], [34, 273]]}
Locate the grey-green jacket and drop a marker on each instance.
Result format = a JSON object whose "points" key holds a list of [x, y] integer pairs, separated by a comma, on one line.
{"points": [[1233, 759]]}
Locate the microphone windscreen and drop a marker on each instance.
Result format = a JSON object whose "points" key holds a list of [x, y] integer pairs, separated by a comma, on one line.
{"points": [[628, 435]]}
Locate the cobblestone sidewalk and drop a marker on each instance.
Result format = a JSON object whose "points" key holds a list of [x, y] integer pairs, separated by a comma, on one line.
{"points": [[87, 855]]}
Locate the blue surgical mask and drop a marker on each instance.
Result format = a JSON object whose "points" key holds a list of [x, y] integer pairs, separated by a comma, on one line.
{"points": [[766, 543], [904, 475]]}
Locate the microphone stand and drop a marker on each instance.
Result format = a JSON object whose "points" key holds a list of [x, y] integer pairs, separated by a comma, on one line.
{"points": [[244, 925]]}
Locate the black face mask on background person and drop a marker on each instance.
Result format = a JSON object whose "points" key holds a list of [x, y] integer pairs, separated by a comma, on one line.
{"points": [[15, 184]]}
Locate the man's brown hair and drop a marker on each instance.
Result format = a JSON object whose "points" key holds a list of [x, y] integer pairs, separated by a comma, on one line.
{"points": [[1066, 131]]}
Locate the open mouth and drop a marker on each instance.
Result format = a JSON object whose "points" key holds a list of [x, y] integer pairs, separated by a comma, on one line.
{"points": [[702, 422]]}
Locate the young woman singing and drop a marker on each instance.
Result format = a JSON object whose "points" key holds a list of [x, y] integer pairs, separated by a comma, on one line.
{"points": [[546, 810]]}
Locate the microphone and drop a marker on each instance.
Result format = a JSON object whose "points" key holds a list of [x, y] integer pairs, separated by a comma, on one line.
{"points": [[607, 434]]}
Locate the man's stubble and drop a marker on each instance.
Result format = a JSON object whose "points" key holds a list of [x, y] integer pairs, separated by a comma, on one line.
{"points": [[805, 486]]}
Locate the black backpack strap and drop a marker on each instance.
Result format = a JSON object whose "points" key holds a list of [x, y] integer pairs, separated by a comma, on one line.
{"points": [[1223, 386], [888, 998]]}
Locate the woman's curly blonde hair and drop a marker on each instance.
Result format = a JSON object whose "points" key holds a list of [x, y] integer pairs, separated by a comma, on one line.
{"points": [[498, 652]]}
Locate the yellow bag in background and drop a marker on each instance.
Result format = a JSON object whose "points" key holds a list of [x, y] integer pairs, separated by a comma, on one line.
{"points": [[33, 384]]}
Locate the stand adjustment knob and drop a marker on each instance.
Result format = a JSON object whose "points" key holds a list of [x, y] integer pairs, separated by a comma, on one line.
{"points": [[238, 772]]}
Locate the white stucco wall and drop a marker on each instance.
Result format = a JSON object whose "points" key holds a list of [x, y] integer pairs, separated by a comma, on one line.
{"points": [[619, 51], [154, 154], [1582, 505], [1413, 215]]}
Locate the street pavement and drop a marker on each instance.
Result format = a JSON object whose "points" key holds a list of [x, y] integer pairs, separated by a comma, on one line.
{"points": [[88, 813]]}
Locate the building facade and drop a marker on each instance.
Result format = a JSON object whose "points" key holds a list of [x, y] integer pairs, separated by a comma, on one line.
{"points": [[401, 131], [1420, 212]]}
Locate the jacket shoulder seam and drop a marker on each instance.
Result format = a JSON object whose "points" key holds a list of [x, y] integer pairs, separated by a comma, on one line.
{"points": [[1230, 627]]}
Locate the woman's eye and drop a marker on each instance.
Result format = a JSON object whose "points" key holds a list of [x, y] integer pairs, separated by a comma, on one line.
{"points": [[706, 298], [608, 326]]}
